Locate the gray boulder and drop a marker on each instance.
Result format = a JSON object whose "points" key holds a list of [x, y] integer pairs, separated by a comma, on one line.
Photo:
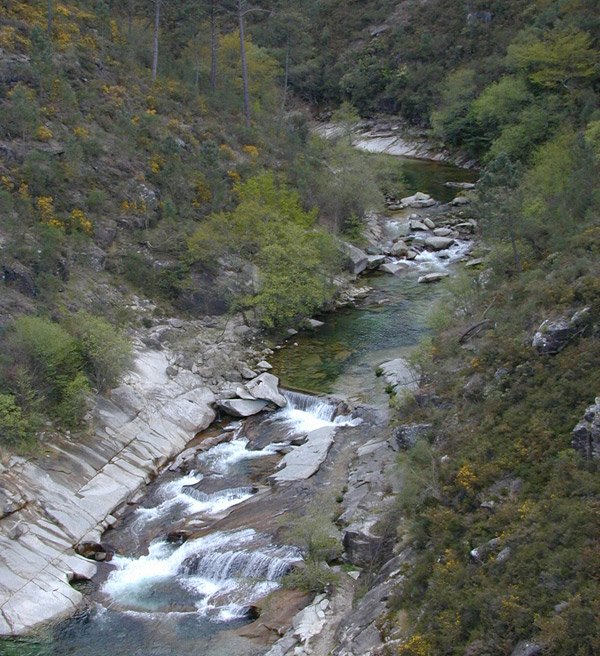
{"points": [[554, 335], [242, 407], [438, 243], [586, 435], [398, 374], [399, 248], [374, 261], [356, 259], [433, 277], [417, 200], [266, 387], [392, 267]]}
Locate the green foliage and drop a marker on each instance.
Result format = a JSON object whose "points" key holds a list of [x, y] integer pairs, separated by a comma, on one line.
{"points": [[14, 427], [295, 260], [316, 536], [562, 57], [105, 352]]}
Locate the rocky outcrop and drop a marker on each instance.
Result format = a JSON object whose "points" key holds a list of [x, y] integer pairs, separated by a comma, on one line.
{"points": [[398, 375], [358, 632], [586, 435], [266, 387], [554, 335], [67, 497], [304, 460], [356, 259]]}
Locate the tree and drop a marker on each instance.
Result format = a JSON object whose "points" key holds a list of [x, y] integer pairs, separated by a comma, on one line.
{"points": [[500, 179], [241, 10], [155, 45], [562, 57]]}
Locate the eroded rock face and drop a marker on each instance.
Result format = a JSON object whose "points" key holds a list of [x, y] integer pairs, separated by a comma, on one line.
{"points": [[586, 435]]}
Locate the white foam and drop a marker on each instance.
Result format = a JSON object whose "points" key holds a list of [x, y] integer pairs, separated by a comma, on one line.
{"points": [[304, 413], [220, 572], [221, 458]]}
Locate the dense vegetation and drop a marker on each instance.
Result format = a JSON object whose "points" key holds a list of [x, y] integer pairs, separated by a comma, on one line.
{"points": [[128, 191]]}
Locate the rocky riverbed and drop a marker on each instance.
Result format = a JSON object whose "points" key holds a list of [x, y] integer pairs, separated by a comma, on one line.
{"points": [[57, 505]]}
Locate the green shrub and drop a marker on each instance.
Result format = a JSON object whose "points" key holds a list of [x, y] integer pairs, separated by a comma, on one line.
{"points": [[104, 351], [14, 426]]}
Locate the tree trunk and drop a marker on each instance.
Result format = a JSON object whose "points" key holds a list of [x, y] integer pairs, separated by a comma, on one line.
{"points": [[196, 64], [49, 27], [285, 85], [213, 46], [511, 232], [244, 64], [155, 50], [130, 23]]}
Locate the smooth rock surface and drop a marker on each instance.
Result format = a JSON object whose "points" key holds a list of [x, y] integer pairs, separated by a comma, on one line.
{"points": [[242, 407], [438, 243], [432, 277], [303, 461]]}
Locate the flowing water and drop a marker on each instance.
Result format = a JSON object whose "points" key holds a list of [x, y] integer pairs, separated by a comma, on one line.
{"points": [[202, 549]]}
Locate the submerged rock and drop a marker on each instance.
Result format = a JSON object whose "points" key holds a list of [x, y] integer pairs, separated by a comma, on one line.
{"points": [[432, 277]]}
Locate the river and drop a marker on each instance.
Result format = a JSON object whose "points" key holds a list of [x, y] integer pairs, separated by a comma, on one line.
{"points": [[204, 545]]}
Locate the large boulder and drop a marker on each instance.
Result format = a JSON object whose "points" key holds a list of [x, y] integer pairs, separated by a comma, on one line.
{"points": [[242, 407], [356, 259], [266, 387], [436, 276], [586, 435], [553, 335], [417, 200], [439, 243]]}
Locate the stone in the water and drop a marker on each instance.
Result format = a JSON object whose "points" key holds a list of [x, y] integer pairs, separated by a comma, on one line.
{"points": [[373, 261], [392, 267], [433, 277], [242, 407], [266, 386], [439, 243]]}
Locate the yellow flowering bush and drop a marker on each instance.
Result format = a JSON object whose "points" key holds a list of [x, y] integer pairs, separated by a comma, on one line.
{"points": [[43, 133]]}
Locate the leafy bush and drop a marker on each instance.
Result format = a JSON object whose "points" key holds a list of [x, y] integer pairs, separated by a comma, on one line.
{"points": [[14, 426], [105, 352]]}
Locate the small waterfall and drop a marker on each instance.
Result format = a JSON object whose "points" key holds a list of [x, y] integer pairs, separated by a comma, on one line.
{"points": [[219, 574], [313, 405], [304, 413], [220, 459], [229, 564]]}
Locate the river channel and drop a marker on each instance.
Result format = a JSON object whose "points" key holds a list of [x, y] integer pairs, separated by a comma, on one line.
{"points": [[195, 558]]}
